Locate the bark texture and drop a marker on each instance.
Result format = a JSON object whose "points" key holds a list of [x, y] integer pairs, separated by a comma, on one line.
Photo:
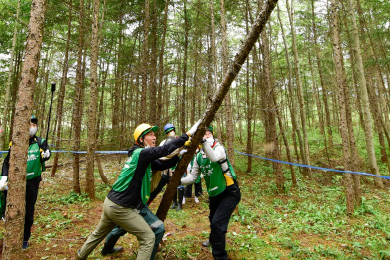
{"points": [[15, 211]]}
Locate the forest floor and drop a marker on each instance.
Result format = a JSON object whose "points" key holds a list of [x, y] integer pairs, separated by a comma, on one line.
{"points": [[307, 222]]}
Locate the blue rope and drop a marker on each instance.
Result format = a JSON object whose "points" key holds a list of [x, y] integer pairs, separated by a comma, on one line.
{"points": [[251, 155], [312, 167]]}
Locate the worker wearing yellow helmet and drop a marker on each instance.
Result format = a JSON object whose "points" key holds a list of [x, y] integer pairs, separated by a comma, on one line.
{"points": [[125, 207]]}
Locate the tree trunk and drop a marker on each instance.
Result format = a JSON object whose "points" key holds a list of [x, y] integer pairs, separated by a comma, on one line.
{"points": [[6, 102], [183, 100], [228, 107], [320, 72], [216, 102], [153, 68], [145, 60], [77, 107], [270, 115], [293, 112], [60, 104], [302, 107], [341, 85], [364, 95], [213, 69], [161, 66], [92, 110], [117, 92], [15, 209]]}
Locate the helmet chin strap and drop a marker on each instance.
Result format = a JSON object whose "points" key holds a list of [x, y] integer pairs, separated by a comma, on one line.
{"points": [[146, 145]]}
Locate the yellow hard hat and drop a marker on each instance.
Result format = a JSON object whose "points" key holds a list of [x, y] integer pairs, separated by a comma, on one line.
{"points": [[142, 129]]}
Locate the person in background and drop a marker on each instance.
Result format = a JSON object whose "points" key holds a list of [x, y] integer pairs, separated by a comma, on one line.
{"points": [[38, 153], [197, 184]]}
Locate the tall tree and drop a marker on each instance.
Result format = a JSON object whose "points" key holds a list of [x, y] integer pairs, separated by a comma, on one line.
{"points": [[302, 106], [78, 101], [145, 60], [341, 85], [185, 60], [228, 108], [15, 212], [6, 102], [161, 64], [60, 103], [292, 107], [153, 67], [92, 109], [320, 72], [271, 134], [364, 95]]}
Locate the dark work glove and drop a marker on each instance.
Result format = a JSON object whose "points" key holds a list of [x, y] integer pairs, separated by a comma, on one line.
{"points": [[44, 145]]}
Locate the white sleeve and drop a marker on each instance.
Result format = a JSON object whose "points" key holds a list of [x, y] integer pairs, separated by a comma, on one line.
{"points": [[189, 168], [191, 176], [215, 155], [163, 142]]}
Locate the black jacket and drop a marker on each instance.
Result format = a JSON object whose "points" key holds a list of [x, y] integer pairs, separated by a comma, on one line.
{"points": [[131, 197]]}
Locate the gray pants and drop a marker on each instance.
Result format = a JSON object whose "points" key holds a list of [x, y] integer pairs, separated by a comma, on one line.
{"points": [[155, 224], [130, 220]]}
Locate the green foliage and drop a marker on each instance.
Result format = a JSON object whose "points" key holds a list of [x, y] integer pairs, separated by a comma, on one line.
{"points": [[73, 198]]}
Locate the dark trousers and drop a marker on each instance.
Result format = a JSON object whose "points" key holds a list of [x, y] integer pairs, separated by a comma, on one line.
{"points": [[31, 198], [221, 208], [198, 190], [32, 187], [155, 224]]}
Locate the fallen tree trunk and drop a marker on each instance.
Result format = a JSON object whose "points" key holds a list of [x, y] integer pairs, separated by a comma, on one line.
{"points": [[216, 102]]}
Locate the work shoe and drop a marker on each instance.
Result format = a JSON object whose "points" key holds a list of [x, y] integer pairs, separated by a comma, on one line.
{"points": [[25, 244], [78, 257], [206, 243], [174, 203], [196, 200], [180, 199], [107, 251]]}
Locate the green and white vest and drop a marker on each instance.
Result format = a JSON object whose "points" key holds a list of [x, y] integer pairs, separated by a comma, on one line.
{"points": [[127, 174], [34, 163], [216, 180]]}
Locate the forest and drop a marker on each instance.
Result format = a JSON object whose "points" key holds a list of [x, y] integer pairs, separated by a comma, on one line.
{"points": [[297, 92]]}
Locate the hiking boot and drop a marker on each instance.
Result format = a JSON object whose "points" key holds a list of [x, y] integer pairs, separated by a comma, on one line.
{"points": [[206, 243], [78, 257], [25, 244], [180, 199], [107, 251], [174, 203]]}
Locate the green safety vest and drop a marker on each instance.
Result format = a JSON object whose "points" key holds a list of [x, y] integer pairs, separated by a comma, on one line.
{"points": [[127, 174], [34, 163], [213, 175]]}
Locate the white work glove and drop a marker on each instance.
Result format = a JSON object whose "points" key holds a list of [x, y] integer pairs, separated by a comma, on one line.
{"points": [[3, 183], [182, 152], [194, 128], [46, 154]]}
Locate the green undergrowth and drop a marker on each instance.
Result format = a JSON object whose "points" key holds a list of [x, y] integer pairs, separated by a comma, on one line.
{"points": [[309, 221]]}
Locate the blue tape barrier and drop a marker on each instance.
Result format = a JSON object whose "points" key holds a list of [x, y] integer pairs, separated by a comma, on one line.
{"points": [[312, 167], [251, 155]]}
